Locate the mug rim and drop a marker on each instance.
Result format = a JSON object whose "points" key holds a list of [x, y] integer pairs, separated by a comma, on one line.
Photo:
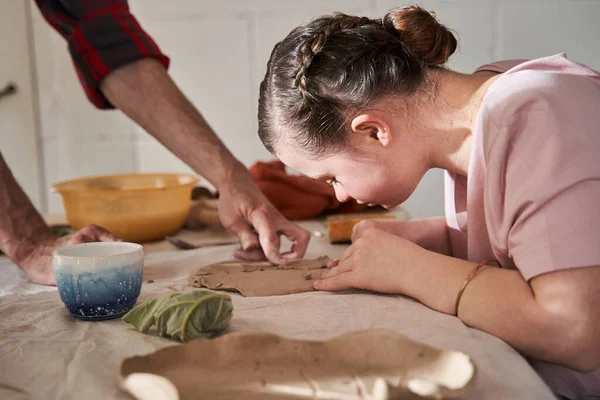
{"points": [[133, 248]]}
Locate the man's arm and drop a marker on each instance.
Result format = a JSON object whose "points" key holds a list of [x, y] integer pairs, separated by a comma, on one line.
{"points": [[25, 237], [102, 36], [120, 66], [144, 91], [21, 226]]}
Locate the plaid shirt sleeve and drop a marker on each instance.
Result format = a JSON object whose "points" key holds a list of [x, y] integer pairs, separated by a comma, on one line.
{"points": [[102, 36]]}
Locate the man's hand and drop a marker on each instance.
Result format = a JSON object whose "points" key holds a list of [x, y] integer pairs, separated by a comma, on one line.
{"points": [[245, 211], [27, 239], [35, 258]]}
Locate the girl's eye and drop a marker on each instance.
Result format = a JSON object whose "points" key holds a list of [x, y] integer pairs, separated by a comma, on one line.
{"points": [[332, 182]]}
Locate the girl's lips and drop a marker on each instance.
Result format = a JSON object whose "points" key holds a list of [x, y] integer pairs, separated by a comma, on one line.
{"points": [[364, 202]]}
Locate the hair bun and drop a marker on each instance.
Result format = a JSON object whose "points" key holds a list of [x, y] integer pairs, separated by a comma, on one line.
{"points": [[422, 34]]}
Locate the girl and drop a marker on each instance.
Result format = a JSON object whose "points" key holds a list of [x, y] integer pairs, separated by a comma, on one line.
{"points": [[367, 106]]}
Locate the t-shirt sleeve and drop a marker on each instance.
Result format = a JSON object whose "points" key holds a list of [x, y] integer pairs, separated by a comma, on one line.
{"points": [[547, 163], [102, 36]]}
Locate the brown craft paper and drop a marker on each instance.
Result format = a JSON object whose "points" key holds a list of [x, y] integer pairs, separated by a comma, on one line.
{"points": [[206, 237], [369, 364], [261, 278]]}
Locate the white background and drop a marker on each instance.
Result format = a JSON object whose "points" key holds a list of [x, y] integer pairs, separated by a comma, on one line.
{"points": [[219, 50]]}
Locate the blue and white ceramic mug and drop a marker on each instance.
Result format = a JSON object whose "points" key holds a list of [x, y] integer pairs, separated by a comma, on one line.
{"points": [[98, 281]]}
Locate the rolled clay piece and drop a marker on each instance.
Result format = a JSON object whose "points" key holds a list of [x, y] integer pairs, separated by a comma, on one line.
{"points": [[254, 279]]}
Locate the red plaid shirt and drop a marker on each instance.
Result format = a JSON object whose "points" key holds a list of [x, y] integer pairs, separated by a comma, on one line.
{"points": [[102, 36]]}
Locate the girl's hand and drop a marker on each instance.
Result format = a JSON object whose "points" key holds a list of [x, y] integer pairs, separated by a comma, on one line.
{"points": [[376, 261], [429, 233], [398, 228]]}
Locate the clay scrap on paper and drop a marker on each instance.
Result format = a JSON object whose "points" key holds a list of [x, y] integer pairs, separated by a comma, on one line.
{"points": [[252, 278], [371, 364]]}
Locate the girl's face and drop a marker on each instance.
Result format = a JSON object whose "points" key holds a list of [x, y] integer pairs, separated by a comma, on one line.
{"points": [[381, 165]]}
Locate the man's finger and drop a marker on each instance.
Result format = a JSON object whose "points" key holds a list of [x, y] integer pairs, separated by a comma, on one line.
{"points": [[340, 282], [248, 239], [252, 255], [297, 235], [267, 235], [98, 233], [81, 238]]}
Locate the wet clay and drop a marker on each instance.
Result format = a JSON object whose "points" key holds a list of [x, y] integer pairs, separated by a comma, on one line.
{"points": [[253, 279], [371, 364]]}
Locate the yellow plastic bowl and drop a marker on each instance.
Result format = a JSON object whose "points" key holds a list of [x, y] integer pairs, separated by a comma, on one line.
{"points": [[135, 207]]}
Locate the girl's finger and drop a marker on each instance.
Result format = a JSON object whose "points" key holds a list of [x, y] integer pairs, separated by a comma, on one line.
{"points": [[337, 270], [339, 282]]}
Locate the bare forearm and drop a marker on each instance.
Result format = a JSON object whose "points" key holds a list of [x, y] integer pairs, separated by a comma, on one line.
{"points": [[429, 233], [144, 91], [20, 223], [497, 301]]}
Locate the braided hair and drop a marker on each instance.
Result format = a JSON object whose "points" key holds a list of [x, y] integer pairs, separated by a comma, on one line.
{"points": [[311, 48], [325, 71]]}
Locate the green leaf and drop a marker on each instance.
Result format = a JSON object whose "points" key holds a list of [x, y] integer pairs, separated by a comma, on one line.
{"points": [[184, 316], [142, 316]]}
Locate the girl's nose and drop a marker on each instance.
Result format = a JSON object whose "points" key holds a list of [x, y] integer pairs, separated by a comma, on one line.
{"points": [[341, 194]]}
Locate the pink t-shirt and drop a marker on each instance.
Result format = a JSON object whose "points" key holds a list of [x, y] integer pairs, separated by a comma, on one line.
{"points": [[532, 196]]}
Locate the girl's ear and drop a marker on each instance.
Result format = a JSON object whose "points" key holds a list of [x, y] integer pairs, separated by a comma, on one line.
{"points": [[372, 126]]}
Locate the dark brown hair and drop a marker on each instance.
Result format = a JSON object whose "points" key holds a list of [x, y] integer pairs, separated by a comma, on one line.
{"points": [[328, 69]]}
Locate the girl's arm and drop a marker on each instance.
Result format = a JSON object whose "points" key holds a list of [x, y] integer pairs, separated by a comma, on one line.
{"points": [[554, 318], [429, 233]]}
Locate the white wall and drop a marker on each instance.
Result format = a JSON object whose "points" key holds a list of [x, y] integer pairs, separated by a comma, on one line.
{"points": [[19, 142], [219, 51]]}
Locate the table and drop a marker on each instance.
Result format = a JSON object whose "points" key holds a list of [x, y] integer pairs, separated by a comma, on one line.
{"points": [[46, 353]]}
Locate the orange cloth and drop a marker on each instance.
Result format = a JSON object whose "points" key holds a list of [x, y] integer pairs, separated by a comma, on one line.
{"points": [[298, 197]]}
